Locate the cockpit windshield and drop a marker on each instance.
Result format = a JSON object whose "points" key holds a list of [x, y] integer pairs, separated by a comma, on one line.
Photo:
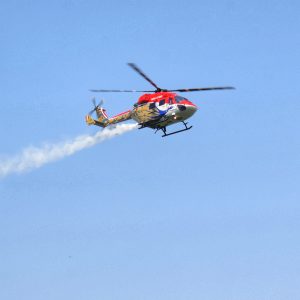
{"points": [[179, 98]]}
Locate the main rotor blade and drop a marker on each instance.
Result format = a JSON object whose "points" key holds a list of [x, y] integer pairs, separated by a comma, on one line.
{"points": [[121, 91], [134, 67], [203, 89]]}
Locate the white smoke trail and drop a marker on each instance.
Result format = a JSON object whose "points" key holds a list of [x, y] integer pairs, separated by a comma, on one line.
{"points": [[33, 157]]}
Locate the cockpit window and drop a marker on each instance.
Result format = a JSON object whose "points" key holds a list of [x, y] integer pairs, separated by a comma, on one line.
{"points": [[143, 102], [170, 100], [152, 105], [179, 98], [162, 102]]}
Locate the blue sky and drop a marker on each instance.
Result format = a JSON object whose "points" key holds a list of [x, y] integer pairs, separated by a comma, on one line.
{"points": [[212, 213]]}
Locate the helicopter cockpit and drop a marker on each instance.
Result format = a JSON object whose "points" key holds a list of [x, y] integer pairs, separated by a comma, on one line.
{"points": [[178, 99]]}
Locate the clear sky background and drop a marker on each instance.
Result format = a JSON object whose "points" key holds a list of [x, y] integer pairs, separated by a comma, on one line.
{"points": [[213, 213]]}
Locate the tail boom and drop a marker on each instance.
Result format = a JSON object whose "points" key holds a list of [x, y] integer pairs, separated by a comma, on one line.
{"points": [[104, 121]]}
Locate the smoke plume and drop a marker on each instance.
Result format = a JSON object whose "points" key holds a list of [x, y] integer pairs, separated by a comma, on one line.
{"points": [[35, 157]]}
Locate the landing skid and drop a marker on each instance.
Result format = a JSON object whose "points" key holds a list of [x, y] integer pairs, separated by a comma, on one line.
{"points": [[167, 134]]}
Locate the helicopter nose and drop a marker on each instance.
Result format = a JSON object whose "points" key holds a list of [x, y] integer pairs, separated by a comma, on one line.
{"points": [[191, 109]]}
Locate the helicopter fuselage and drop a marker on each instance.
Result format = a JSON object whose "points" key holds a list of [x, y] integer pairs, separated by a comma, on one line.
{"points": [[162, 109]]}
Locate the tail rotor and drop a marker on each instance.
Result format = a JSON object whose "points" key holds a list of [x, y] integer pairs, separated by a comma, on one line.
{"points": [[102, 119], [97, 107]]}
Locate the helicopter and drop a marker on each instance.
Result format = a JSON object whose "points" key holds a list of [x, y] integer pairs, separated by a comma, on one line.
{"points": [[156, 109]]}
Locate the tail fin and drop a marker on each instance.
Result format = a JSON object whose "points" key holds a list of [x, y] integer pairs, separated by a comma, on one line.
{"points": [[102, 121]]}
